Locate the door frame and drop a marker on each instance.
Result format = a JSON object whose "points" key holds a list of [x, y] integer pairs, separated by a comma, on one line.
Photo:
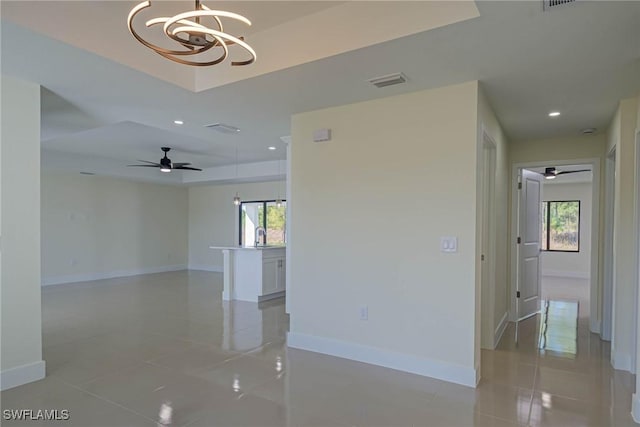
{"points": [[636, 354], [608, 268], [489, 336], [594, 294]]}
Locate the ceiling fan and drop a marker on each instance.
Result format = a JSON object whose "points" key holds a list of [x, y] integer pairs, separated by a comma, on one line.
{"points": [[552, 173], [166, 165]]}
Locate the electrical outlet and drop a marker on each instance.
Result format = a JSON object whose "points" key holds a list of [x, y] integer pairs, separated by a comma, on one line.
{"points": [[364, 312]]}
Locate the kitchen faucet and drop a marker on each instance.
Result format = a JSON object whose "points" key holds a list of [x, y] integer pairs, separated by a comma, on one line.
{"points": [[260, 231]]}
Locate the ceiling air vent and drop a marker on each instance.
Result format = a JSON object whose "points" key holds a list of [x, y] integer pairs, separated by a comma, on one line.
{"points": [[223, 128], [548, 4], [389, 80]]}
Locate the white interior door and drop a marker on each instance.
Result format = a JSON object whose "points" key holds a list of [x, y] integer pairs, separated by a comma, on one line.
{"points": [[529, 232]]}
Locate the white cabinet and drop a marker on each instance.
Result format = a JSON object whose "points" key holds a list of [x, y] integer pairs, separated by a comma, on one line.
{"points": [[258, 274], [282, 275], [273, 272], [270, 269]]}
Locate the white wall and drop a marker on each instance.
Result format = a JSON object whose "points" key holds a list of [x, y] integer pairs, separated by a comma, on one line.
{"points": [[571, 264], [21, 329], [622, 137], [213, 219], [98, 227], [496, 302], [369, 208]]}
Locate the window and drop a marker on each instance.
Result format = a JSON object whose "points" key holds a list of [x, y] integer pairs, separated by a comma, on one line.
{"points": [[561, 226], [252, 216]]}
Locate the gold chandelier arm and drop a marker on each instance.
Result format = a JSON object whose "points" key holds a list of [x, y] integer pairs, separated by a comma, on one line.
{"points": [[189, 23], [204, 12], [225, 36], [137, 9]]}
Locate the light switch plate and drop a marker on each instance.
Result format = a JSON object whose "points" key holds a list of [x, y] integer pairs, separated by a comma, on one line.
{"points": [[364, 312], [449, 244]]}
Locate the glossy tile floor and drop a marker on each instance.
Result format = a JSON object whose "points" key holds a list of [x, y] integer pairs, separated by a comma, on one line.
{"points": [[165, 350]]}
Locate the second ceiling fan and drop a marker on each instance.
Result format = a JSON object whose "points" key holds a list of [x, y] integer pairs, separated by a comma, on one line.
{"points": [[552, 172], [166, 165]]}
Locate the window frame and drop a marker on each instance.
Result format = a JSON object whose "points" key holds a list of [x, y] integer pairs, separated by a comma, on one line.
{"points": [[264, 219], [548, 225]]}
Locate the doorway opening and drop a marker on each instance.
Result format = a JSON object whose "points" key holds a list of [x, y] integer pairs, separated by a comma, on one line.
{"points": [[567, 206], [609, 254], [490, 334], [557, 227]]}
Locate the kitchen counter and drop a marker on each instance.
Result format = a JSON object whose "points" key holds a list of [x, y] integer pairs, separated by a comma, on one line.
{"points": [[253, 273]]}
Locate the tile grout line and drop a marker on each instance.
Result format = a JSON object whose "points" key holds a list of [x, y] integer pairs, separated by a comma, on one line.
{"points": [[102, 398]]}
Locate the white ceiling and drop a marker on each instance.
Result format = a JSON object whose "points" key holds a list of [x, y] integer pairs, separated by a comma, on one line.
{"points": [[580, 59]]}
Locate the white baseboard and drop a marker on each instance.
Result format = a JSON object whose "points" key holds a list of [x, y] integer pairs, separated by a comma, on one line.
{"points": [[74, 278], [467, 376], [213, 268], [635, 407], [14, 377], [567, 274], [620, 361], [502, 326]]}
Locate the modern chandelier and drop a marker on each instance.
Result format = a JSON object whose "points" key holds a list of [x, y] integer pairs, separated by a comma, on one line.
{"points": [[187, 30]]}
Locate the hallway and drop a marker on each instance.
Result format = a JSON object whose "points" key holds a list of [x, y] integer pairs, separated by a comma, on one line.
{"points": [[164, 349]]}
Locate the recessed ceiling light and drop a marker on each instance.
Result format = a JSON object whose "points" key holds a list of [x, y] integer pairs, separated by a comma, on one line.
{"points": [[554, 114], [178, 122], [272, 148]]}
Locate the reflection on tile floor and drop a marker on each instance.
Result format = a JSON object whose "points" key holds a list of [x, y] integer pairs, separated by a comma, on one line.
{"points": [[559, 327], [164, 349]]}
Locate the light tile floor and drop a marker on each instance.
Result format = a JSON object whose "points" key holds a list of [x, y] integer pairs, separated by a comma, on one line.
{"points": [[164, 349]]}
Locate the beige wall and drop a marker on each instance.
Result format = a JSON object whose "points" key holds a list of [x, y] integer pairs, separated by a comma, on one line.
{"points": [[622, 137], [97, 227], [213, 219], [20, 329], [568, 148], [369, 209], [494, 319]]}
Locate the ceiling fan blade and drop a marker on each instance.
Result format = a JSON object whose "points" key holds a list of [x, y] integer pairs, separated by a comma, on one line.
{"points": [[179, 165], [144, 166], [147, 161], [581, 170], [187, 168]]}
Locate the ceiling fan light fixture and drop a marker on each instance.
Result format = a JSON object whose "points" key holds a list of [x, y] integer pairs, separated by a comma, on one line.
{"points": [[165, 165], [549, 177], [192, 37]]}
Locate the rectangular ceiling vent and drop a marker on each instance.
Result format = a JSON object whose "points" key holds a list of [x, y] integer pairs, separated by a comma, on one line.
{"points": [[388, 80], [223, 128], [550, 4]]}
